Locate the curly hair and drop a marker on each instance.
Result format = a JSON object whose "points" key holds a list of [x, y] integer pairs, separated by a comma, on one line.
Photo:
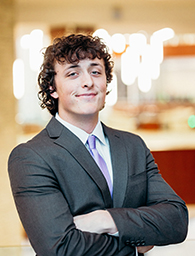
{"points": [[70, 49]]}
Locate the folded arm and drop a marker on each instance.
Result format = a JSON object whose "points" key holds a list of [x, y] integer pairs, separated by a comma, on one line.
{"points": [[45, 213], [100, 222], [161, 220]]}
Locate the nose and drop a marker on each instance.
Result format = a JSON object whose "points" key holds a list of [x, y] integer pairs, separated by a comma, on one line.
{"points": [[87, 80]]}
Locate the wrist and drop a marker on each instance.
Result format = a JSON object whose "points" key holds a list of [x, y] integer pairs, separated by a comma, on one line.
{"points": [[109, 225]]}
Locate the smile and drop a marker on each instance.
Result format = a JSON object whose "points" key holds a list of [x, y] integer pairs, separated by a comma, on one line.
{"points": [[87, 95]]}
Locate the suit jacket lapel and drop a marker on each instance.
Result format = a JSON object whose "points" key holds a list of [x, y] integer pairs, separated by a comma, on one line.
{"points": [[119, 165], [66, 139]]}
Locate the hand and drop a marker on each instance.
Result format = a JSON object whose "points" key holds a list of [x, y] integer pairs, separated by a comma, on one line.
{"points": [[99, 221], [144, 249]]}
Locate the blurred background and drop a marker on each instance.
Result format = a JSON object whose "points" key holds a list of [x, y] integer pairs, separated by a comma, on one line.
{"points": [[152, 94]]}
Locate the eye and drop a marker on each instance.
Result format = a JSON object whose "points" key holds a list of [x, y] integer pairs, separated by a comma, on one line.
{"points": [[72, 74], [96, 72]]}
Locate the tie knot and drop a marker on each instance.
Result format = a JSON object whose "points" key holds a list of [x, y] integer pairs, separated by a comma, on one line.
{"points": [[91, 142]]}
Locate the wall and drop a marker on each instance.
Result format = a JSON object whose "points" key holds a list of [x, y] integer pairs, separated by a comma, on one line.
{"points": [[10, 228], [177, 168], [124, 16]]}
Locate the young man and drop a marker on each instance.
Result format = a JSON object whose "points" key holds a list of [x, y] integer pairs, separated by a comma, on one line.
{"points": [[63, 199]]}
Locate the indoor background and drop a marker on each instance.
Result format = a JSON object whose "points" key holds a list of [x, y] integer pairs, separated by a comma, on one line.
{"points": [[159, 107]]}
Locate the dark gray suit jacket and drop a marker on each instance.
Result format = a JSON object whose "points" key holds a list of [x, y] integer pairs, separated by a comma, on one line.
{"points": [[53, 178]]}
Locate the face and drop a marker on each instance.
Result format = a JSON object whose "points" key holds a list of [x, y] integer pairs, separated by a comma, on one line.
{"points": [[80, 89]]}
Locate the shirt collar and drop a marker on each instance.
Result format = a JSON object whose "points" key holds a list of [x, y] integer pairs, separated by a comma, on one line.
{"points": [[98, 132], [81, 134]]}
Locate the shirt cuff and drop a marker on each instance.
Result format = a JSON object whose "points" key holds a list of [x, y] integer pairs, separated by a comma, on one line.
{"points": [[115, 234]]}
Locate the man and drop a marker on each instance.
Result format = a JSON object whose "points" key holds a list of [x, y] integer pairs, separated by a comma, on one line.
{"points": [[63, 199]]}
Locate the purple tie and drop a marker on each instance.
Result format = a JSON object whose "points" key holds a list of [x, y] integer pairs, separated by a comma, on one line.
{"points": [[99, 160]]}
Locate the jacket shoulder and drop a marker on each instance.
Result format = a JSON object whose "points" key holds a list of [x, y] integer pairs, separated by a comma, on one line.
{"points": [[125, 135], [37, 141]]}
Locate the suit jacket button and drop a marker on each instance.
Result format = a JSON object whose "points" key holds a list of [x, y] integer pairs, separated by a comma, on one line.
{"points": [[133, 243], [142, 243], [127, 242]]}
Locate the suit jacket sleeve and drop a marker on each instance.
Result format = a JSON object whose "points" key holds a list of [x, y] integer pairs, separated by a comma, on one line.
{"points": [[158, 216], [45, 213]]}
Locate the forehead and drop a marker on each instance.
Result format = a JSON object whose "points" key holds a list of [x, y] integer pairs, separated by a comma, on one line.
{"points": [[85, 63]]}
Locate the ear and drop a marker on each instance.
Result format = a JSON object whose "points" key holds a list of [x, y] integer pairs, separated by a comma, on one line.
{"points": [[54, 94]]}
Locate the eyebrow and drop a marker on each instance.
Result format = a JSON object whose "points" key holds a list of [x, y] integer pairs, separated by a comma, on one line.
{"points": [[93, 64], [73, 66]]}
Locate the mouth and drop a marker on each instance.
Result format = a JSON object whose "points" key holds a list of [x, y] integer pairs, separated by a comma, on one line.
{"points": [[86, 95]]}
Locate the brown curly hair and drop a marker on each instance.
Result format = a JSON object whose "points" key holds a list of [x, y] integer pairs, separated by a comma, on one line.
{"points": [[70, 49]]}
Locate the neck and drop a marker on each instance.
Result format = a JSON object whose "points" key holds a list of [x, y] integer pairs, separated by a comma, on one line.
{"points": [[86, 123]]}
